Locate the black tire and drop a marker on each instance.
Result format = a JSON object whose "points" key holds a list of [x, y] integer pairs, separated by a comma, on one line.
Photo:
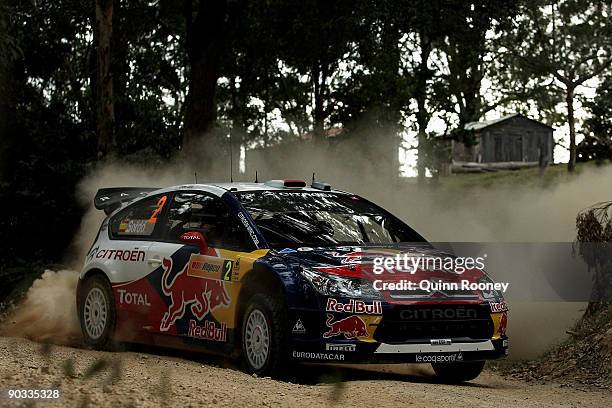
{"points": [[98, 336], [274, 314], [453, 373]]}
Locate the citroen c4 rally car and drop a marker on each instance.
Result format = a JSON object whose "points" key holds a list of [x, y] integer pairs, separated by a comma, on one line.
{"points": [[276, 273]]}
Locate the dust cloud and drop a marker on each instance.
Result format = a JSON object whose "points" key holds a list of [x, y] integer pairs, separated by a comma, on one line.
{"points": [[497, 213], [48, 312], [502, 214]]}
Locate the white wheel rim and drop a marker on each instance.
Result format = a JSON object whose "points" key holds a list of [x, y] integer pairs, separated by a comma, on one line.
{"points": [[257, 339], [95, 313]]}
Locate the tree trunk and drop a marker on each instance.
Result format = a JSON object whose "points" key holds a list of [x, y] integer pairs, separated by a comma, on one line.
{"points": [[238, 125], [7, 113], [390, 115], [422, 121], [104, 78], [422, 116], [120, 69], [200, 113], [205, 42], [318, 114], [569, 99]]}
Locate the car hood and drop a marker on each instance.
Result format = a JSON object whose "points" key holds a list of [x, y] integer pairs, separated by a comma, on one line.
{"points": [[361, 262]]}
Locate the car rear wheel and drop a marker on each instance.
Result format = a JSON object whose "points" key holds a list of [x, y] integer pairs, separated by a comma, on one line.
{"points": [[458, 372], [97, 312], [264, 336]]}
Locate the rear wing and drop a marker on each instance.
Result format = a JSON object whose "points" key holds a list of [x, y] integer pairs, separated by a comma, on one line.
{"points": [[110, 199]]}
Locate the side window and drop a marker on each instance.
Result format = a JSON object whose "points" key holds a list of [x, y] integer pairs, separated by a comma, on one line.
{"points": [[138, 220], [208, 214]]}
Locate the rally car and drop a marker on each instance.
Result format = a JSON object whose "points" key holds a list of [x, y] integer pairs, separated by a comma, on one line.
{"points": [[277, 273]]}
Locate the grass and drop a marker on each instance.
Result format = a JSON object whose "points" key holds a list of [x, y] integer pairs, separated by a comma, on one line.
{"points": [[530, 177]]}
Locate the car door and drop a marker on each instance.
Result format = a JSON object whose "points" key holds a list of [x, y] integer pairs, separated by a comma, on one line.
{"points": [[199, 289], [128, 263]]}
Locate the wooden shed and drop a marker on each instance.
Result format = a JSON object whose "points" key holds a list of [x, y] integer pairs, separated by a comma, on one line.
{"points": [[512, 138]]}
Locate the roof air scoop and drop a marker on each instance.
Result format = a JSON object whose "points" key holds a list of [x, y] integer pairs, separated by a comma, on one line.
{"points": [[286, 183]]}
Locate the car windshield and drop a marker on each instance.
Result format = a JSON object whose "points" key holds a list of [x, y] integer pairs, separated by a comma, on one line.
{"points": [[294, 218]]}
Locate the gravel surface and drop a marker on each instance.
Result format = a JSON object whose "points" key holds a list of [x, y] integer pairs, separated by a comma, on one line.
{"points": [[152, 378]]}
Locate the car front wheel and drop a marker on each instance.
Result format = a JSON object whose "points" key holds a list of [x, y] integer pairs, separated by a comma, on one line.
{"points": [[264, 336], [458, 372]]}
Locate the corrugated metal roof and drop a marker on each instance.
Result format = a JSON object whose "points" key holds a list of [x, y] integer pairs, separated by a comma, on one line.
{"points": [[487, 123]]}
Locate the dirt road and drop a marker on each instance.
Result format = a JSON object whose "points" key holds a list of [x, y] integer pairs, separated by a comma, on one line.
{"points": [[137, 378]]}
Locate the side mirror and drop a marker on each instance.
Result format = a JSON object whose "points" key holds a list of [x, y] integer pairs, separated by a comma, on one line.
{"points": [[195, 238]]}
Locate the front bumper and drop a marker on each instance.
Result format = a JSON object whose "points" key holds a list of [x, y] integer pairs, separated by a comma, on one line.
{"points": [[381, 353], [397, 334]]}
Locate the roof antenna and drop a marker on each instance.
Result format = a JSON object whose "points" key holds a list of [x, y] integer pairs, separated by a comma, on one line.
{"points": [[229, 136], [257, 181], [313, 178], [195, 176]]}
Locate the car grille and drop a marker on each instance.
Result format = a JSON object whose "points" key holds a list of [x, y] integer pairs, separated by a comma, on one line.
{"points": [[422, 323]]}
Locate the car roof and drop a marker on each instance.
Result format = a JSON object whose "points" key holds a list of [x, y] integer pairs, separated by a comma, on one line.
{"points": [[240, 187], [221, 188]]}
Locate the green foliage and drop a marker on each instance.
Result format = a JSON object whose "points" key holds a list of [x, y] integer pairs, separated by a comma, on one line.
{"points": [[471, 53], [465, 136], [47, 112], [555, 47], [597, 143], [437, 154], [287, 68]]}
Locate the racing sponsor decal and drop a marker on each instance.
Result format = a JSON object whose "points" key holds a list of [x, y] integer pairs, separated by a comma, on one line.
{"points": [[92, 253], [201, 294], [318, 356], [121, 255], [440, 342], [211, 267], [438, 314], [354, 306], [503, 324], [249, 229], [208, 331], [354, 257], [340, 347], [133, 298], [439, 358], [232, 273], [498, 307], [135, 227], [351, 327], [123, 226], [298, 327]]}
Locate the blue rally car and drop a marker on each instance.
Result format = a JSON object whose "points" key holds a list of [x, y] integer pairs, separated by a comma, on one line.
{"points": [[277, 273]]}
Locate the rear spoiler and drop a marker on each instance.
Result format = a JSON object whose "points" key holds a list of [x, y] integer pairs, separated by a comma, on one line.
{"points": [[110, 199]]}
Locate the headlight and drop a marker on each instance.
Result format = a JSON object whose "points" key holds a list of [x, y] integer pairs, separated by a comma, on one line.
{"points": [[490, 295], [334, 285]]}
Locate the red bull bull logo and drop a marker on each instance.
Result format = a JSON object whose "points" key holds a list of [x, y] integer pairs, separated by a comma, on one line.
{"points": [[351, 327], [201, 294]]}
